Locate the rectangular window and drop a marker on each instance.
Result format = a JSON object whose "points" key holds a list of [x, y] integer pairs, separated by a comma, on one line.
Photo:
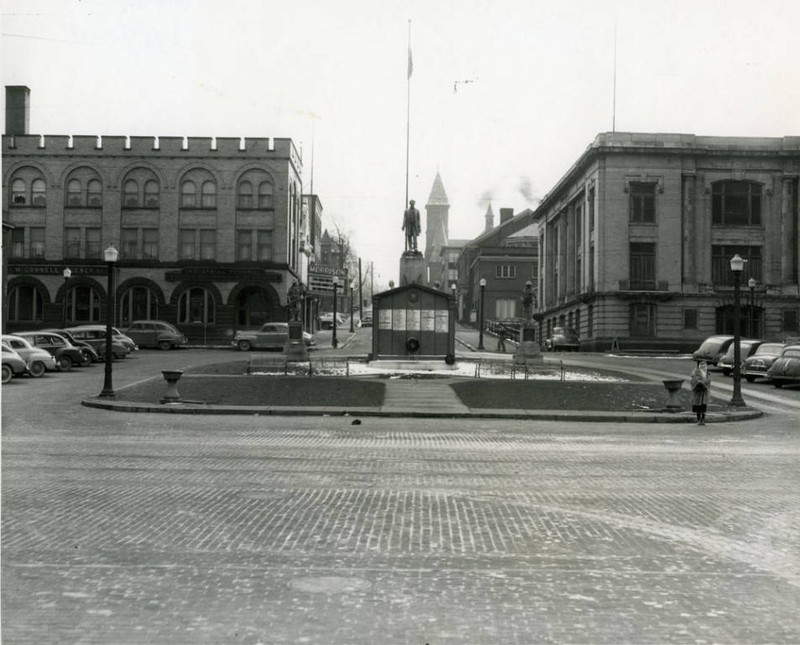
{"points": [[505, 271], [790, 320], [93, 248], [643, 320], [591, 209], [642, 266], [643, 202], [244, 245], [129, 241], [505, 308], [721, 264], [187, 236], [37, 241], [18, 243], [72, 242], [736, 203], [150, 243], [208, 244], [690, 318], [264, 250]]}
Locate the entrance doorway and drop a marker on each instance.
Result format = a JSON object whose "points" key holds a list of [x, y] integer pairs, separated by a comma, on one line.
{"points": [[252, 308]]}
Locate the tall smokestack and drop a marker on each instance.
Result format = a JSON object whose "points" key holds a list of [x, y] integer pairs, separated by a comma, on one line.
{"points": [[506, 214], [18, 109]]}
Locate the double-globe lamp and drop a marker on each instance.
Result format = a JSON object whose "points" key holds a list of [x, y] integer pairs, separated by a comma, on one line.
{"points": [[110, 255]]}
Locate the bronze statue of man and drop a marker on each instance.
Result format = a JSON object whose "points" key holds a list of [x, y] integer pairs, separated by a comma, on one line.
{"points": [[412, 226]]}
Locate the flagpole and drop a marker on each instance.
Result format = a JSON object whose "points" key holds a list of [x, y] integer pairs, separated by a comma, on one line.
{"points": [[408, 109], [614, 107]]}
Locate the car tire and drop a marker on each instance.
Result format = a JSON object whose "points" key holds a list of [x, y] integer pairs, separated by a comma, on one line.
{"points": [[244, 345], [726, 372], [164, 345], [777, 384], [64, 363], [37, 369], [750, 379], [7, 374]]}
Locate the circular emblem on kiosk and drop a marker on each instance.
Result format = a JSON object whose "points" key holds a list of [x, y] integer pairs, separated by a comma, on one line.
{"points": [[412, 345], [413, 295]]}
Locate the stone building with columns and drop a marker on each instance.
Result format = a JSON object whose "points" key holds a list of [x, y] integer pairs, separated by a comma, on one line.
{"points": [[636, 239], [210, 231]]}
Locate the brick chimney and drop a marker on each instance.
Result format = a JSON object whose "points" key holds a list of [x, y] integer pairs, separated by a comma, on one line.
{"points": [[506, 214], [18, 109]]}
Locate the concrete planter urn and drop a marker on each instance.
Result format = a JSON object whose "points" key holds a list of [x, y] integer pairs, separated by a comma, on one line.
{"points": [[171, 377]]}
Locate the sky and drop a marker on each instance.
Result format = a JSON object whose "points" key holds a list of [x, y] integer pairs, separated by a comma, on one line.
{"points": [[504, 95]]}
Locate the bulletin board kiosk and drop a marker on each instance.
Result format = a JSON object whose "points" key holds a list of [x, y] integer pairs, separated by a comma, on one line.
{"points": [[414, 323]]}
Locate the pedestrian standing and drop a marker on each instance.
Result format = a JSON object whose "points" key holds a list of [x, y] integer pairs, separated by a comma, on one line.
{"points": [[701, 386], [501, 339]]}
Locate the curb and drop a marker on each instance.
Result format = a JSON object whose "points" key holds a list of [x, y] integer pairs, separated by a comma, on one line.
{"points": [[321, 411]]}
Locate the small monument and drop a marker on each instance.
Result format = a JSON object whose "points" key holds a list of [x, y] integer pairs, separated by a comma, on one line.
{"points": [[295, 348], [528, 349], [412, 262]]}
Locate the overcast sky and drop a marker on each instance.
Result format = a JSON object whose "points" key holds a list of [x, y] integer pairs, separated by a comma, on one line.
{"points": [[505, 94]]}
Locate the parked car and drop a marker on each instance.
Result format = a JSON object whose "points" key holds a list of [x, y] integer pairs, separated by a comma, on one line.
{"points": [[326, 320], [65, 353], [366, 319], [95, 335], [563, 339], [271, 335], [757, 364], [89, 351], [155, 333], [13, 364], [712, 349], [746, 347], [38, 360], [786, 368]]}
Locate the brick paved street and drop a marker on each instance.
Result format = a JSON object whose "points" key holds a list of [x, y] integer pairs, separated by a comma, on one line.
{"points": [[168, 529]]}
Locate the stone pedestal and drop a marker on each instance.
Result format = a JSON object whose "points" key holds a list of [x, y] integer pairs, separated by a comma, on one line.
{"points": [[295, 348], [412, 268], [528, 348]]}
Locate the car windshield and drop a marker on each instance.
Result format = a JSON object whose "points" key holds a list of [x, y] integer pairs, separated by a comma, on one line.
{"points": [[792, 353], [769, 348]]}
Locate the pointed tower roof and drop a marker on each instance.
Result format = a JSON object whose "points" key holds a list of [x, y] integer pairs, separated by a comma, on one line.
{"points": [[438, 196]]}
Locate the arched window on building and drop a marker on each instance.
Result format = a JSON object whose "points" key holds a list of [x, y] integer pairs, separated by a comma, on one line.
{"points": [[245, 195], [130, 197], [151, 197], [265, 195], [209, 194], [74, 197], [196, 305], [25, 304], [38, 193], [138, 303], [188, 195], [18, 192], [83, 305], [94, 194]]}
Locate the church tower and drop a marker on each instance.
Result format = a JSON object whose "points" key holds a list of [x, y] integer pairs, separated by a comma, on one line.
{"points": [[436, 234]]}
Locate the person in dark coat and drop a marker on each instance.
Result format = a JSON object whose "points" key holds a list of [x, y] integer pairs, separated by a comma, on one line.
{"points": [[701, 388], [502, 334]]}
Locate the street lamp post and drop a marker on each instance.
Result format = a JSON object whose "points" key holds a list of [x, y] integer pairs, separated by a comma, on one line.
{"points": [[334, 341], [737, 265], [110, 255], [352, 287], [453, 288], [751, 330], [67, 276], [480, 328]]}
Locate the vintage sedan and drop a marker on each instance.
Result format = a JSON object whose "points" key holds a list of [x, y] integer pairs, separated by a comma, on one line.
{"points": [[155, 333], [271, 335], [563, 339], [757, 364], [86, 348], [13, 364], [38, 360], [65, 353], [712, 349], [786, 368], [746, 348], [95, 335]]}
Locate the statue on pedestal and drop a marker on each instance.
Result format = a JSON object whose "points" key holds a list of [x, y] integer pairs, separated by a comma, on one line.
{"points": [[412, 226], [527, 301], [294, 297]]}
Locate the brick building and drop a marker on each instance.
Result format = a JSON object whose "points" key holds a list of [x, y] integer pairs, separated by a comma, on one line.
{"points": [[636, 239], [211, 233]]}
